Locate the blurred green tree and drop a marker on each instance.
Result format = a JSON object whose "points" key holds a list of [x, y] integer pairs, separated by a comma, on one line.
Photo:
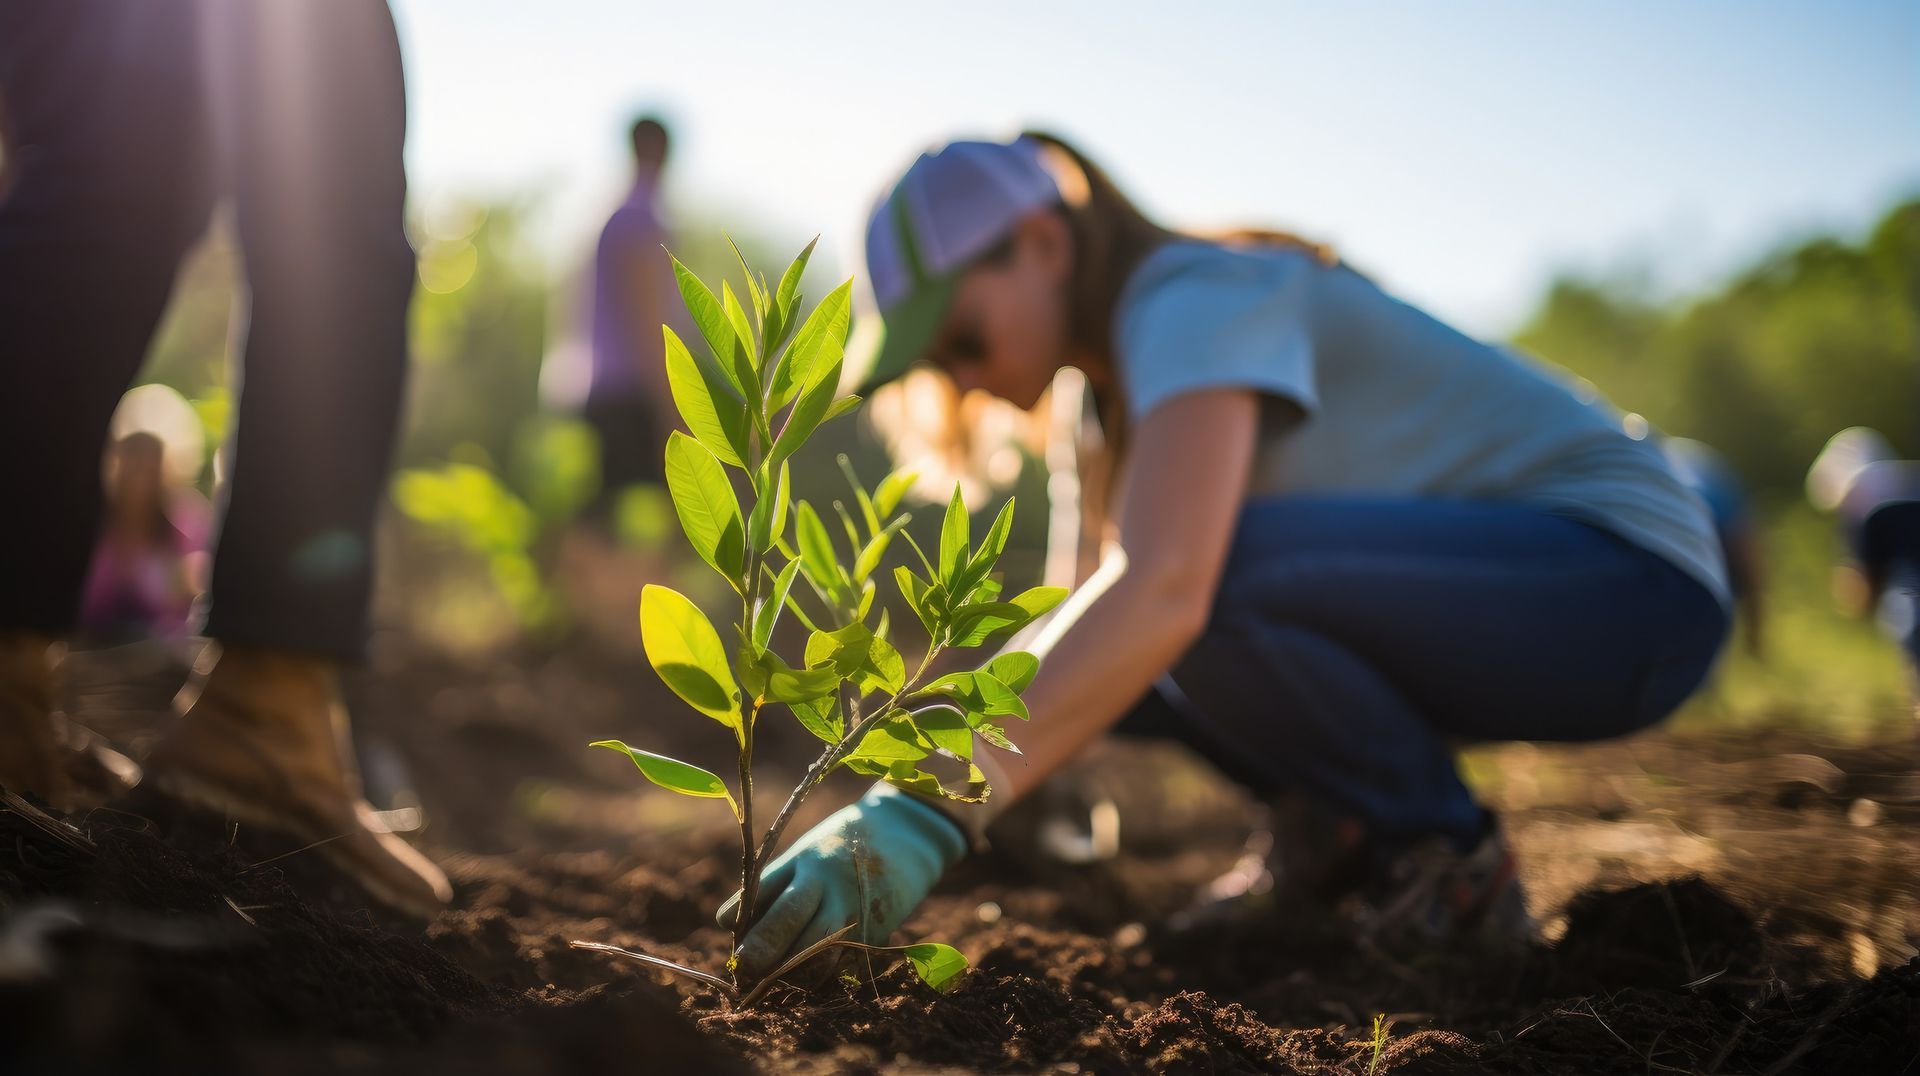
{"points": [[1815, 338]]}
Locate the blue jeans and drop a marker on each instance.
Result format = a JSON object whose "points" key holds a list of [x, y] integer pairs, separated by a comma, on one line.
{"points": [[1355, 642]]}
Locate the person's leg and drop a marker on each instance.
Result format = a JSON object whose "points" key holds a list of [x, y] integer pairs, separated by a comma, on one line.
{"points": [[1889, 544], [107, 188], [629, 442], [1352, 640], [315, 110], [318, 122]]}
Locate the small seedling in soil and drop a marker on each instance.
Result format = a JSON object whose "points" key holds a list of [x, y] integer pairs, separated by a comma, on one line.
{"points": [[1381, 1027], [763, 384]]}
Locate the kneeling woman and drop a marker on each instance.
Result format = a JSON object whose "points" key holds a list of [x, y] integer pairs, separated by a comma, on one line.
{"points": [[1348, 537]]}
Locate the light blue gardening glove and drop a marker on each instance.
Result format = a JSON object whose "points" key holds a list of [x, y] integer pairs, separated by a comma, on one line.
{"points": [[874, 861]]}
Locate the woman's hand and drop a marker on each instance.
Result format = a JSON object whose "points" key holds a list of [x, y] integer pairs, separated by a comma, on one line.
{"points": [[872, 862]]}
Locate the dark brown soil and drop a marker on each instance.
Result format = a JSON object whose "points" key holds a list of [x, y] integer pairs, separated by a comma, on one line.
{"points": [[1716, 904]]}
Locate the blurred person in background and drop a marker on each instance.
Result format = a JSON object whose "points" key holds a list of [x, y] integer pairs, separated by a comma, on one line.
{"points": [[128, 122], [147, 565], [1875, 496], [1345, 538], [634, 293]]}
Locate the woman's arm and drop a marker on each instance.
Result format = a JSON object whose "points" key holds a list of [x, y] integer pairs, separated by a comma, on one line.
{"points": [[1183, 485], [874, 861]]}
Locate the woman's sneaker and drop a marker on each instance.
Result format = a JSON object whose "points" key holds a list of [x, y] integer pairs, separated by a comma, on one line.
{"points": [[1434, 891], [1313, 856], [1308, 855]]}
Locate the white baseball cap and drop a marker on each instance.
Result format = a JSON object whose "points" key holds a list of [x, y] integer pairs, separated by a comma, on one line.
{"points": [[951, 206]]}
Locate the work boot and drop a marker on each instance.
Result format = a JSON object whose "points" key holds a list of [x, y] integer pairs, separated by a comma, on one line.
{"points": [[30, 755], [261, 736]]}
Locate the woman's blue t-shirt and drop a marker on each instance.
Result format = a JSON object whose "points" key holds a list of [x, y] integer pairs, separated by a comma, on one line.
{"points": [[1375, 397]]}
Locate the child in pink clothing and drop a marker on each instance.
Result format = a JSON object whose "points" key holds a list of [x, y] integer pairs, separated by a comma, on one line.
{"points": [[145, 571]]}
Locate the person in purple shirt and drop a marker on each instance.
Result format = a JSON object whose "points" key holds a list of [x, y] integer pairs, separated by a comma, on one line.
{"points": [[633, 295]]}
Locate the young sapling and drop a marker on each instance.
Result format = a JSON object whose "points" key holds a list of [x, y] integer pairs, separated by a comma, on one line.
{"points": [[751, 398]]}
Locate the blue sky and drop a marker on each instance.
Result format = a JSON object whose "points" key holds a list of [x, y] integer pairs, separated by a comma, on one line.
{"points": [[1462, 152]]}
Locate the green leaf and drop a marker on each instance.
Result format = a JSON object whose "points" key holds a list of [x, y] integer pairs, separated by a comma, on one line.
{"points": [[947, 729], [712, 322], [784, 299], [800, 685], [884, 669], [988, 590], [816, 551], [769, 612], [938, 965], [839, 407], [979, 625], [905, 774], [821, 717], [876, 547], [684, 649], [933, 573], [846, 526], [756, 284], [1015, 668], [790, 685], [867, 513], [781, 316], [780, 502], [846, 649], [820, 342], [760, 519], [974, 624], [709, 515], [768, 524], [979, 693], [922, 598], [889, 741], [891, 490], [670, 773], [953, 541], [995, 735], [984, 558], [742, 328], [1038, 600], [808, 412], [706, 403]]}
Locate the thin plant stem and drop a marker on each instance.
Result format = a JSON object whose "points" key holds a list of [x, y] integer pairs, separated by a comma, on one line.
{"points": [[662, 963], [832, 757], [837, 939], [749, 713]]}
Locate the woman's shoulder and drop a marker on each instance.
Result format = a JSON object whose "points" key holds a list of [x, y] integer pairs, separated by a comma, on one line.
{"points": [[1213, 263], [1190, 280]]}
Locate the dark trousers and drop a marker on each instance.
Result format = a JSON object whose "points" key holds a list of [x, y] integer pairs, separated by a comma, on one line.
{"points": [[627, 425], [1355, 642], [1888, 545], [126, 122]]}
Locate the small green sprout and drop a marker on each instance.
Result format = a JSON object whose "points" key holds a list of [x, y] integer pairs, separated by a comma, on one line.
{"points": [[1381, 1026], [763, 383]]}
